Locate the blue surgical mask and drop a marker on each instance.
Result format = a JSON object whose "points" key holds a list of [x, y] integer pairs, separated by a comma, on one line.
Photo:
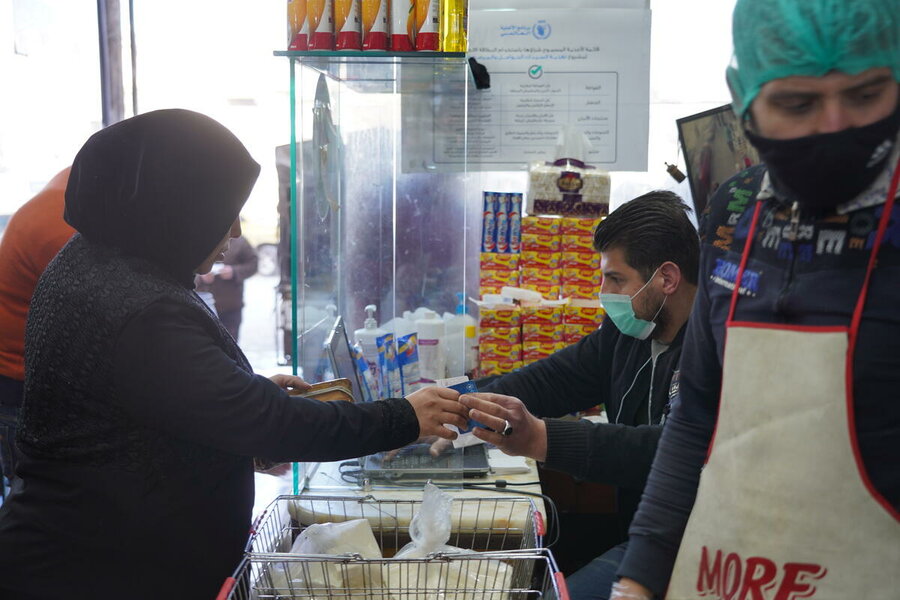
{"points": [[620, 309]]}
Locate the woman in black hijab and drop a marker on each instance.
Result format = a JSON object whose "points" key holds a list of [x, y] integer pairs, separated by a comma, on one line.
{"points": [[141, 415]]}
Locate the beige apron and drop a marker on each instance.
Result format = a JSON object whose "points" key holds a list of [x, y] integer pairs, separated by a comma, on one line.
{"points": [[785, 509]]}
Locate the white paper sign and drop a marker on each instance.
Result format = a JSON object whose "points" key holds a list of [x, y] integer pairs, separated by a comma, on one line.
{"points": [[589, 68]]}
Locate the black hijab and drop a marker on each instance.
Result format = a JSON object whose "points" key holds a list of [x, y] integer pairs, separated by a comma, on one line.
{"points": [[164, 186]]}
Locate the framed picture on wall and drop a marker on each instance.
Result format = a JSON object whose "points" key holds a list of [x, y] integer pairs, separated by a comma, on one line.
{"points": [[715, 148]]}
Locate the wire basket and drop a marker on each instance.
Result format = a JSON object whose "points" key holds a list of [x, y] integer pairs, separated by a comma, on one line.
{"points": [[511, 575], [482, 524]]}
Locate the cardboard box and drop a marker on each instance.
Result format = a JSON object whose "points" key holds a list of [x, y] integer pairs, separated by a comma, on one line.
{"points": [[535, 351], [578, 226], [583, 315], [498, 316], [539, 259], [578, 276], [573, 333], [542, 315], [500, 352], [500, 335], [576, 243], [499, 367], [537, 332], [494, 260], [540, 242], [541, 225], [580, 260]]}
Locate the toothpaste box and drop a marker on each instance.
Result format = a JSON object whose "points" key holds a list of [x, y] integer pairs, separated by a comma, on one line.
{"points": [[489, 223], [515, 222], [502, 220]]}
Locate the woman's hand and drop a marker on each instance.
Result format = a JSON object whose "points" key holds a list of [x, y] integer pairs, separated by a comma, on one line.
{"points": [[290, 383], [436, 406]]}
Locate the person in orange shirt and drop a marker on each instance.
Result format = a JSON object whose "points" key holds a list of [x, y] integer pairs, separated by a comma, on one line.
{"points": [[32, 238]]}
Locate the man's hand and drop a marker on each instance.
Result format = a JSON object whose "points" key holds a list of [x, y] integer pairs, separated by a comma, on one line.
{"points": [[290, 383], [435, 406], [529, 434]]}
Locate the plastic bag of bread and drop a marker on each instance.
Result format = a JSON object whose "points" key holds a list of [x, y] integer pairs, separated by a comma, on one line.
{"points": [[321, 578], [465, 578]]}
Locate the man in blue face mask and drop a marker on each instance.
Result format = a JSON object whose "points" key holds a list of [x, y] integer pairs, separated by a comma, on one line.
{"points": [[792, 354], [649, 250]]}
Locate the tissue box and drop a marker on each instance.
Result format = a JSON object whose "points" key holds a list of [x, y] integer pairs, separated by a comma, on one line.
{"points": [[568, 188]]}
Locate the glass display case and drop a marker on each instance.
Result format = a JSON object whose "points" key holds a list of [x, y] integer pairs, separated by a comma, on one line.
{"points": [[383, 208]]}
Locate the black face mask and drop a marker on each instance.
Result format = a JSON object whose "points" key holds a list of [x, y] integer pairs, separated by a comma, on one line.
{"points": [[824, 170]]}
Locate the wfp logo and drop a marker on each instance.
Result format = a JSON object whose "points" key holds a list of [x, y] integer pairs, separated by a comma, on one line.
{"points": [[541, 30]]}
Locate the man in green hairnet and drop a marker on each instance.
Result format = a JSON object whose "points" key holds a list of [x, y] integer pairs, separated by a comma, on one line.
{"points": [[792, 353]]}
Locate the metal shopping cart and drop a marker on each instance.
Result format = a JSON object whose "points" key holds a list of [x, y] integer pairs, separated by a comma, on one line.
{"points": [[482, 524], [511, 575], [506, 534]]}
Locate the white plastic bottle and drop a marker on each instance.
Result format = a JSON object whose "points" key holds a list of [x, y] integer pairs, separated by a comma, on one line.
{"points": [[367, 338], [432, 360], [458, 340]]}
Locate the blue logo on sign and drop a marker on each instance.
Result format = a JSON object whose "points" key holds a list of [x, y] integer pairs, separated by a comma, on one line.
{"points": [[541, 30]]}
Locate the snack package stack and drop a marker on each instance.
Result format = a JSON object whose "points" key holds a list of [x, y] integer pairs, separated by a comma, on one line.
{"points": [[580, 264], [542, 331], [581, 317], [500, 346], [496, 271], [540, 260]]}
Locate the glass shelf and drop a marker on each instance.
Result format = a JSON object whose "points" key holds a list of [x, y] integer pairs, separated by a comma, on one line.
{"points": [[382, 72], [374, 55]]}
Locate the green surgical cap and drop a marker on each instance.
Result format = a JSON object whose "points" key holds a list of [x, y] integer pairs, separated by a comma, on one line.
{"points": [[782, 38]]}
